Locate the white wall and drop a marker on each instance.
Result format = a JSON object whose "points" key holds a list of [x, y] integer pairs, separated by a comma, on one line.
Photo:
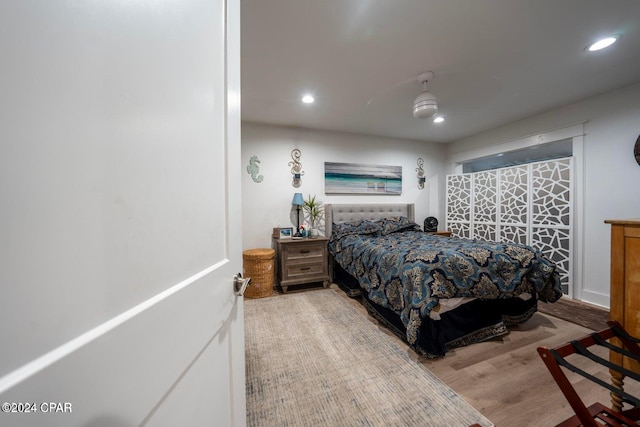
{"points": [[268, 204], [611, 174]]}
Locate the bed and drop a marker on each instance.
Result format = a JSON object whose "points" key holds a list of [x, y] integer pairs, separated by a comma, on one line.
{"points": [[435, 292]]}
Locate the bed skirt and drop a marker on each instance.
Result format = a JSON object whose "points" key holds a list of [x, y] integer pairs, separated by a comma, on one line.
{"points": [[473, 322], [346, 281]]}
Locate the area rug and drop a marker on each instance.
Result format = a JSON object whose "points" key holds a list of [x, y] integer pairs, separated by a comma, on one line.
{"points": [[312, 359]]}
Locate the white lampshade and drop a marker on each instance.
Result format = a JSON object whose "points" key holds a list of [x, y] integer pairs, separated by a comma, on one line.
{"points": [[425, 105]]}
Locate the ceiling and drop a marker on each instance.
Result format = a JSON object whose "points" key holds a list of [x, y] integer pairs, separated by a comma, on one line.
{"points": [[495, 61]]}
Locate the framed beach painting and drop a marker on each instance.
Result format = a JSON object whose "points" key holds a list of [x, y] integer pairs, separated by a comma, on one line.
{"points": [[350, 178]]}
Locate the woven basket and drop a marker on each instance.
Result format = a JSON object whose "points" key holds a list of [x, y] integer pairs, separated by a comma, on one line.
{"points": [[258, 264]]}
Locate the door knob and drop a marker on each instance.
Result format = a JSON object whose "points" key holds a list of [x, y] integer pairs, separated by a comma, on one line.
{"points": [[240, 284]]}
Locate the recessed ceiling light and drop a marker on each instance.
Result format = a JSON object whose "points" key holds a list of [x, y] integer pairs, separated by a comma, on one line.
{"points": [[602, 43], [439, 119], [308, 99]]}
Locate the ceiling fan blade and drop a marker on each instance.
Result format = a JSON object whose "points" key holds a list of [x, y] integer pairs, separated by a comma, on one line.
{"points": [[394, 88]]}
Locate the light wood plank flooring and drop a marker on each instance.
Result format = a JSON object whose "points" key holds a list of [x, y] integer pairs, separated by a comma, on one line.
{"points": [[506, 380]]}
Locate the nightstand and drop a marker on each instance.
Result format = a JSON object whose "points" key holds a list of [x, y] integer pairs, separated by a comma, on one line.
{"points": [[301, 261], [440, 233]]}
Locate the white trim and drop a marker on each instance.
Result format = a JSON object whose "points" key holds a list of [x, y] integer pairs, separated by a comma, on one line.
{"points": [[22, 373], [578, 234], [552, 135], [596, 298]]}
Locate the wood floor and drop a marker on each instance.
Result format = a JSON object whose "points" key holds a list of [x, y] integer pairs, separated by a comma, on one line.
{"points": [[506, 380], [587, 315]]}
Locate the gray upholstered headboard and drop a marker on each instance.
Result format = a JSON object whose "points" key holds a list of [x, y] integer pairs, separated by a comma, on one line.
{"points": [[352, 212]]}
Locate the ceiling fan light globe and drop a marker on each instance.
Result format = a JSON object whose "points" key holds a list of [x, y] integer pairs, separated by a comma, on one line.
{"points": [[425, 105]]}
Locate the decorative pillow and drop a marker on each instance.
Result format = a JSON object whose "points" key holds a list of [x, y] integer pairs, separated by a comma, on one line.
{"points": [[354, 227], [395, 224]]}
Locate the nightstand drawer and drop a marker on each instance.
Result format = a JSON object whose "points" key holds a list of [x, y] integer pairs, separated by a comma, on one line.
{"points": [[304, 269], [305, 251]]}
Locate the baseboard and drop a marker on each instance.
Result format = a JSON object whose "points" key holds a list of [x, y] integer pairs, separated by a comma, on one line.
{"points": [[595, 298]]}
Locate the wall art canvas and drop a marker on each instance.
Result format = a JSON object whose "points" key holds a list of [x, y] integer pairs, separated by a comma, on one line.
{"points": [[349, 178]]}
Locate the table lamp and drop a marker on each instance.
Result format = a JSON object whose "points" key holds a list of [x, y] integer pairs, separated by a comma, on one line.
{"points": [[297, 201]]}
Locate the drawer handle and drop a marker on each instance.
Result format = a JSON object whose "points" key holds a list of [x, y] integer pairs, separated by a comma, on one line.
{"points": [[305, 252], [305, 268]]}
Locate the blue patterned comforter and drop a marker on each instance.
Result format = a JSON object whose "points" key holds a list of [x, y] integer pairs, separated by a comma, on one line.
{"points": [[409, 271]]}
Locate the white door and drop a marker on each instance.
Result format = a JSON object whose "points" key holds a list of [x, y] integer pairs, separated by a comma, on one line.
{"points": [[120, 214]]}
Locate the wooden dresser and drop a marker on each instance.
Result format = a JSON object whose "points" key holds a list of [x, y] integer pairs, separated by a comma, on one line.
{"points": [[301, 261], [625, 289]]}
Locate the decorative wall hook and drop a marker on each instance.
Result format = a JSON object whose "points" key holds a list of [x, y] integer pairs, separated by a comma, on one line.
{"points": [[254, 169], [420, 170], [296, 167]]}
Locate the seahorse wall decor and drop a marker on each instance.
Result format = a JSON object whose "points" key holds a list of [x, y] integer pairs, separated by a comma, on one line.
{"points": [[254, 169]]}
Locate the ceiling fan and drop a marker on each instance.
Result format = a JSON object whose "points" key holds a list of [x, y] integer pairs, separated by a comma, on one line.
{"points": [[426, 104]]}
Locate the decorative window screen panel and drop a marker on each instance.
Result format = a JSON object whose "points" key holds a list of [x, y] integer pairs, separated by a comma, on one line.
{"points": [[484, 231], [514, 204], [485, 205], [459, 229], [485, 197], [551, 185], [555, 243], [551, 213], [514, 192], [459, 205], [527, 204], [513, 233]]}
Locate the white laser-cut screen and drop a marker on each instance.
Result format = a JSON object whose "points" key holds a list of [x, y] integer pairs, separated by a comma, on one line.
{"points": [[528, 204]]}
